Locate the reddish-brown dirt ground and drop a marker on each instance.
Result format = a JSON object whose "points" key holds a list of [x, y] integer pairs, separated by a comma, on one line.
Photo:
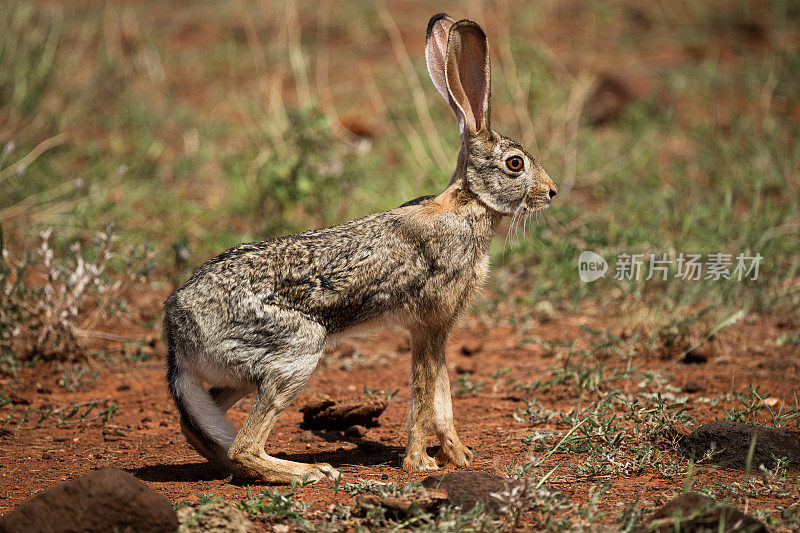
{"points": [[143, 436]]}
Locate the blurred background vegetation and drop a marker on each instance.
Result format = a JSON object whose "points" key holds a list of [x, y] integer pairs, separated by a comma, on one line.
{"points": [[194, 126]]}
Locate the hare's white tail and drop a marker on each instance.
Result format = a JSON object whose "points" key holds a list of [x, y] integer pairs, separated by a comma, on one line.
{"points": [[198, 410]]}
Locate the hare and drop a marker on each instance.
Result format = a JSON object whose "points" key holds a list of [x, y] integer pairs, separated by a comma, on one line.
{"points": [[256, 317]]}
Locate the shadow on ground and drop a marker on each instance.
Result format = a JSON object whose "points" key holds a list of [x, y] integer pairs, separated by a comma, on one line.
{"points": [[367, 453]]}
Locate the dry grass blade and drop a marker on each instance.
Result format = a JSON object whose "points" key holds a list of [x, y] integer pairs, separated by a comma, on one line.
{"points": [[417, 94], [32, 156]]}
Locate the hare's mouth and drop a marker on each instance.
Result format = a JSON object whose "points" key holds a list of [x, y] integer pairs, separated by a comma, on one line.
{"points": [[539, 205]]}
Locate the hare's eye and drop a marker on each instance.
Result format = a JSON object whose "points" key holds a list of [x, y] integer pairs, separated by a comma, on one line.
{"points": [[515, 163]]}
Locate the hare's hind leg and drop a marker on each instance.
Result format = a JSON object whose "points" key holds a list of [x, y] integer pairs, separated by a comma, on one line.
{"points": [[282, 362], [225, 398]]}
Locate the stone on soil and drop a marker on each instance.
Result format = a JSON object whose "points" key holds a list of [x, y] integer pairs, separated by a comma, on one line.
{"points": [[692, 512], [732, 442], [467, 489], [103, 500], [341, 414]]}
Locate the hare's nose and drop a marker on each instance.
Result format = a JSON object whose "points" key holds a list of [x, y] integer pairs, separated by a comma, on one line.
{"points": [[552, 192]]}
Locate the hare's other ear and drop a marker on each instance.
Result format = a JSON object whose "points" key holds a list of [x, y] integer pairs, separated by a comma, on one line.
{"points": [[436, 51], [468, 75]]}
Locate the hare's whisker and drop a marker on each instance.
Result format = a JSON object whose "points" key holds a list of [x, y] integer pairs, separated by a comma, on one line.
{"points": [[510, 227]]}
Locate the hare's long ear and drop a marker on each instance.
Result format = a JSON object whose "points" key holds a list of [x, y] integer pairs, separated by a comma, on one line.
{"points": [[468, 75], [436, 51]]}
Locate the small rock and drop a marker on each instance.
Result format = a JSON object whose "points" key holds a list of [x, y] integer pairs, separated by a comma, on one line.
{"points": [[699, 355], [123, 387], [691, 387], [695, 512], [103, 500], [217, 517], [307, 436], [771, 402], [113, 434], [468, 488], [471, 346], [341, 414], [355, 431], [466, 367], [20, 397], [732, 444]]}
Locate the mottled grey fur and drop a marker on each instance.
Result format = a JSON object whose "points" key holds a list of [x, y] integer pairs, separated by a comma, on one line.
{"points": [[256, 316]]}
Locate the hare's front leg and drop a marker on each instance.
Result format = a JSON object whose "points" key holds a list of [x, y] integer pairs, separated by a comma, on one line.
{"points": [[430, 403], [282, 352], [426, 347]]}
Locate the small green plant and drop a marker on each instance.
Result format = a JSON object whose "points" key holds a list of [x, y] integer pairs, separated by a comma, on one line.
{"points": [[388, 393], [53, 416], [135, 351], [76, 377], [754, 402], [500, 372], [468, 387], [534, 412], [273, 505]]}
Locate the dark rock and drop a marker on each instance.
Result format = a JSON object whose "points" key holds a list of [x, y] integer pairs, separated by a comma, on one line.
{"points": [[307, 436], [693, 512], [103, 500], [113, 434], [691, 387], [732, 442], [341, 414], [355, 431], [467, 489], [699, 355], [471, 347]]}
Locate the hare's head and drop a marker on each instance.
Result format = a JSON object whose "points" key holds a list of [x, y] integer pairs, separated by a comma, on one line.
{"points": [[496, 169]]}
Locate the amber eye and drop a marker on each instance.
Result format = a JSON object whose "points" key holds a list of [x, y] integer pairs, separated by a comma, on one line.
{"points": [[515, 163]]}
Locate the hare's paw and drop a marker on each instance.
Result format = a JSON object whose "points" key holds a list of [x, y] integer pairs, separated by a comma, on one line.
{"points": [[320, 471], [421, 462], [454, 453], [274, 470]]}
